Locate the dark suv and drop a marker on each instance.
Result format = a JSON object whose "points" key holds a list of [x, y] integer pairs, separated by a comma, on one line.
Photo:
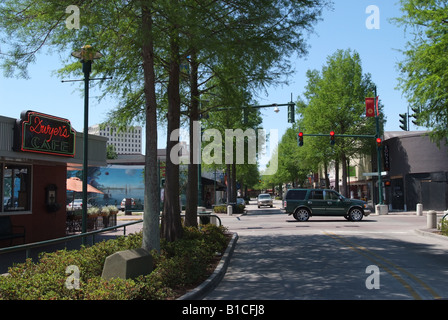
{"points": [[304, 203]]}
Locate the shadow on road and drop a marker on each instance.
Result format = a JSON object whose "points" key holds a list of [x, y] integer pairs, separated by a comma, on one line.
{"points": [[318, 266]]}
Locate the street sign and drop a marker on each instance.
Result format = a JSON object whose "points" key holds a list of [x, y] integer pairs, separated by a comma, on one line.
{"points": [[374, 174]]}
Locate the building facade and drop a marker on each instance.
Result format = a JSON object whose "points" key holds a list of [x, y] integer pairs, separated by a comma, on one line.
{"points": [[128, 141], [417, 171], [36, 151]]}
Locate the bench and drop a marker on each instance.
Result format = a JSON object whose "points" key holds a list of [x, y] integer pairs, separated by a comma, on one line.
{"points": [[7, 230]]}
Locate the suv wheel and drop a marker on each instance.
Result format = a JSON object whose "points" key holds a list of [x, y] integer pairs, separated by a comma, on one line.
{"points": [[301, 214], [356, 214]]}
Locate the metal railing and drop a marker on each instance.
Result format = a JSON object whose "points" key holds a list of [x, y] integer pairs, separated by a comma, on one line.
{"points": [[28, 246]]}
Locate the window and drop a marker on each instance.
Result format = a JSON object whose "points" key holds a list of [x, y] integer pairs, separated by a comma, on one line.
{"points": [[16, 187], [317, 195], [296, 194], [331, 195]]}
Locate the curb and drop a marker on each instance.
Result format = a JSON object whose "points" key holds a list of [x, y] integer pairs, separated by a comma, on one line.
{"points": [[215, 278], [428, 233]]}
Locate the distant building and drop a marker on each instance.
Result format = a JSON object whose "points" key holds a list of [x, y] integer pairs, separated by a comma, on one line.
{"points": [[125, 142], [417, 171]]}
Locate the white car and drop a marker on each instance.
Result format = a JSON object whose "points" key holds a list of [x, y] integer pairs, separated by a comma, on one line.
{"points": [[76, 205], [264, 199], [131, 203]]}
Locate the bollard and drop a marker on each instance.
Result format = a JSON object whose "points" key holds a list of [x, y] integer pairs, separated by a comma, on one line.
{"points": [[381, 209], [229, 210], [419, 210], [431, 219]]}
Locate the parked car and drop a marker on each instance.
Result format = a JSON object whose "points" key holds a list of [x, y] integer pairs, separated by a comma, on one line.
{"points": [[304, 203], [76, 205], [240, 201], [131, 203], [264, 199]]}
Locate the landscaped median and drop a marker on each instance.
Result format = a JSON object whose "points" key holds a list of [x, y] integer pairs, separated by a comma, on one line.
{"points": [[76, 274]]}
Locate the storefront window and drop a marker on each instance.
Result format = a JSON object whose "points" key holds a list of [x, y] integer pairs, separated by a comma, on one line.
{"points": [[16, 187]]}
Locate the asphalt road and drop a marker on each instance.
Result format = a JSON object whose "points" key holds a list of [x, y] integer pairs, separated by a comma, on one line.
{"points": [[381, 257]]}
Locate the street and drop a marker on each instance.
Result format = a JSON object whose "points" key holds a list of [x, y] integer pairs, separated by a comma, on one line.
{"points": [[381, 257]]}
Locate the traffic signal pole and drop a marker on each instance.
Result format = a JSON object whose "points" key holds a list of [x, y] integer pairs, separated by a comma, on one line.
{"points": [[378, 154], [377, 137]]}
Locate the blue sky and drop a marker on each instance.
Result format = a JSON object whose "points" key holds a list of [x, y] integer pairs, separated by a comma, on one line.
{"points": [[341, 28]]}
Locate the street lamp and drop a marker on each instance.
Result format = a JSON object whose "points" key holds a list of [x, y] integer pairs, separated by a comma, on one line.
{"points": [[87, 54]]}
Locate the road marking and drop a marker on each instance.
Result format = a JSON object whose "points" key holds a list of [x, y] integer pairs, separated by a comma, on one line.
{"points": [[377, 260]]}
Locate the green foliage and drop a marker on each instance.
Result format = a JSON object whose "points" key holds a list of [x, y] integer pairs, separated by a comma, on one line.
{"points": [[443, 227], [423, 71], [239, 208], [179, 264]]}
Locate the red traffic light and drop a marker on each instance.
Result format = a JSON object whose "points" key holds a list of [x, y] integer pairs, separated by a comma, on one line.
{"points": [[300, 142], [378, 142], [332, 142]]}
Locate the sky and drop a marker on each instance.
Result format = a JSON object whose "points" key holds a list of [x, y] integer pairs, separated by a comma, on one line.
{"points": [[344, 27]]}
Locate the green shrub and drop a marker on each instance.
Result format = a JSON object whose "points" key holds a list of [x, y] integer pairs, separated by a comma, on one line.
{"points": [[239, 208], [220, 209], [179, 264], [443, 227]]}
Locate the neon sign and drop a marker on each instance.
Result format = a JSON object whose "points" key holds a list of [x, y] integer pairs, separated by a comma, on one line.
{"points": [[43, 133]]}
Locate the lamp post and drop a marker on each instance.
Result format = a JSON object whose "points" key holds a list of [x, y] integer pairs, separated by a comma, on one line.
{"points": [[86, 55]]}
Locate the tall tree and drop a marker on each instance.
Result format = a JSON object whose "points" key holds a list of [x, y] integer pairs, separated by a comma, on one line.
{"points": [[151, 237], [144, 42], [336, 102], [123, 31], [424, 79]]}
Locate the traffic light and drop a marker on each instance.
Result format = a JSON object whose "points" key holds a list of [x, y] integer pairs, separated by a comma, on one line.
{"points": [[300, 139], [291, 116], [378, 142], [332, 142], [416, 111], [404, 121]]}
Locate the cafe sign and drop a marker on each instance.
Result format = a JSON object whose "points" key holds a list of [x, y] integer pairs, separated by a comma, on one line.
{"points": [[43, 133]]}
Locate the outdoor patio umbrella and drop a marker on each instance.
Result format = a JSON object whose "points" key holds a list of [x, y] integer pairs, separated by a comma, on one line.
{"points": [[75, 184]]}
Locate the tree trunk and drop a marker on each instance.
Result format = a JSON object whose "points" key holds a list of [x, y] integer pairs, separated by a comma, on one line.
{"points": [[344, 174], [229, 184], [336, 168], [327, 181], [191, 209], [234, 189], [151, 227], [171, 221]]}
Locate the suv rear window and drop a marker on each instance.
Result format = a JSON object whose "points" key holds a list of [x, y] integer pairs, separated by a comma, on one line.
{"points": [[296, 194]]}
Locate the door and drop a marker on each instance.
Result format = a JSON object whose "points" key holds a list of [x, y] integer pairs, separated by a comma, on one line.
{"points": [[335, 206], [397, 194], [316, 202]]}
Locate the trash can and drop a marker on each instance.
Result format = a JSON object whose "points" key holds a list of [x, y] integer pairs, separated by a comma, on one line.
{"points": [[127, 207], [202, 219]]}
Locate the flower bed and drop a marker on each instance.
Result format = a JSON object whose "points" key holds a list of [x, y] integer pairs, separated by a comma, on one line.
{"points": [[179, 265]]}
